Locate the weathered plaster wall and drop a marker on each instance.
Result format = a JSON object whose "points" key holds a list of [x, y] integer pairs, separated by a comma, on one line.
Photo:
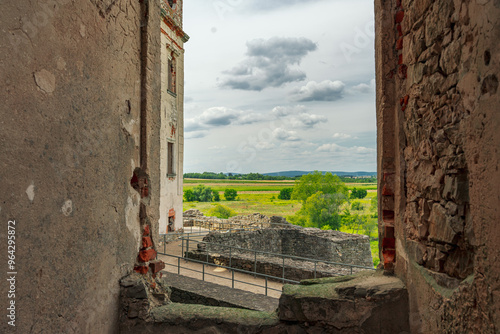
{"points": [[70, 141], [172, 129], [437, 112]]}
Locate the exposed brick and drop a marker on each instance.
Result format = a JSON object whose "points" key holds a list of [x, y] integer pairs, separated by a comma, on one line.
{"points": [[400, 59], [400, 30], [386, 191], [146, 242], [399, 44], [389, 256], [147, 255], [389, 231], [141, 269], [388, 243], [399, 16], [157, 266], [146, 230]]}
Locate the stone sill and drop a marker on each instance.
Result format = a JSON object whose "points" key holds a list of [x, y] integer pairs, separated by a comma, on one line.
{"points": [[171, 93]]}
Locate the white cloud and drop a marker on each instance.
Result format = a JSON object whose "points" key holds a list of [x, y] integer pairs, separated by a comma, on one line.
{"points": [[364, 88], [320, 91], [285, 135], [339, 135], [335, 148]]}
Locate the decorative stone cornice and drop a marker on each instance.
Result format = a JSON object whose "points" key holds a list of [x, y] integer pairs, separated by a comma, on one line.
{"points": [[173, 19]]}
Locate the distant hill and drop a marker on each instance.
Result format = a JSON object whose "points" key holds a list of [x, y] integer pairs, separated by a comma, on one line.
{"points": [[294, 173]]}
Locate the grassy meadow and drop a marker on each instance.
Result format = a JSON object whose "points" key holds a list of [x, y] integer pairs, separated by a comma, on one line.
{"points": [[262, 197]]}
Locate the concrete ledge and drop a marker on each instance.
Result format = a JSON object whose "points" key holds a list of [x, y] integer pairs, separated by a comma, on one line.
{"points": [[188, 290], [368, 302], [183, 318]]}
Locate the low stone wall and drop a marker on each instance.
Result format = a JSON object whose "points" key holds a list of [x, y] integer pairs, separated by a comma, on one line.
{"points": [[273, 266], [196, 218], [332, 246]]}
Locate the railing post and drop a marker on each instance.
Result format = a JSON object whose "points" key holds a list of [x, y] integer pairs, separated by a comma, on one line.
{"points": [[315, 264], [266, 285], [255, 264], [182, 250], [178, 266], [283, 270], [230, 257], [232, 280], [187, 245], [203, 277]]}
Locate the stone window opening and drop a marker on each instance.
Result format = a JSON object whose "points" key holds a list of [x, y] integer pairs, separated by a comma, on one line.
{"points": [[172, 3], [172, 71], [170, 160]]}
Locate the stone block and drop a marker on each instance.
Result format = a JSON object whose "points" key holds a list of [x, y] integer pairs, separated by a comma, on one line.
{"points": [[439, 229]]}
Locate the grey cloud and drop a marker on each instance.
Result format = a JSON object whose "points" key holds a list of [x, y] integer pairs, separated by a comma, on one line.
{"points": [[222, 116], [268, 63], [364, 88], [323, 91], [308, 120]]}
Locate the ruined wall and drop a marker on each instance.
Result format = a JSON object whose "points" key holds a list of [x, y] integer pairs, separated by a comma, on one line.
{"points": [[437, 97], [70, 140], [313, 243]]}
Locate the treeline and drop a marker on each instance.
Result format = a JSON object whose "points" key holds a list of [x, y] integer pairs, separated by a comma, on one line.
{"points": [[258, 176]]}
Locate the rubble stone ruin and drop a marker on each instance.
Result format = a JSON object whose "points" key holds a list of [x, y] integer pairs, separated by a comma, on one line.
{"points": [[87, 92]]}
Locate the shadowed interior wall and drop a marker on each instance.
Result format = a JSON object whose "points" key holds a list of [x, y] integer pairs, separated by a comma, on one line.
{"points": [[437, 115], [70, 141]]}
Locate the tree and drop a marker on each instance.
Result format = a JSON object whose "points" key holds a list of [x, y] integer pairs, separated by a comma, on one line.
{"points": [[358, 193], [189, 195], [230, 194], [310, 184], [285, 193], [321, 209]]}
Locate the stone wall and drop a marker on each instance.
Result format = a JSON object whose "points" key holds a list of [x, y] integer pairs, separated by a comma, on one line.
{"points": [[437, 95], [333, 246], [72, 78]]}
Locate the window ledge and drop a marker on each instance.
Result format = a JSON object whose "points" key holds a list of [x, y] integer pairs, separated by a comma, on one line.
{"points": [[171, 93], [171, 175]]}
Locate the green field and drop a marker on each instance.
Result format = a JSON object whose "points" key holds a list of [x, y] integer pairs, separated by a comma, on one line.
{"points": [[262, 197]]}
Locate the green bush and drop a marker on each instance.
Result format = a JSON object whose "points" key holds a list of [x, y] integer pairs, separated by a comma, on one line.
{"points": [[358, 193], [221, 211], [357, 206], [199, 193], [230, 194], [285, 193]]}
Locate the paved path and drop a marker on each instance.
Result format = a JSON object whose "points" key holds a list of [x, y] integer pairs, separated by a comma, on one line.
{"points": [[188, 267]]}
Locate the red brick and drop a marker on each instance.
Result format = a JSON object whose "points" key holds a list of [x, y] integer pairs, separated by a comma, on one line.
{"points": [[400, 30], [389, 256], [141, 269], [147, 255], [146, 230], [399, 16], [157, 266], [386, 191], [389, 232], [406, 98], [146, 242], [400, 59], [388, 243], [399, 44]]}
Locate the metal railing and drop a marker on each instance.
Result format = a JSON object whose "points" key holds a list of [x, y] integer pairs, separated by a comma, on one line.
{"points": [[194, 237]]}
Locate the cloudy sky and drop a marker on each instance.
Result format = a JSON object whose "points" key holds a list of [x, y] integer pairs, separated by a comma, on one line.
{"points": [[276, 85]]}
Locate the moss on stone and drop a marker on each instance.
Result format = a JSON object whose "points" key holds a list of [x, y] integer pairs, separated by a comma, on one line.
{"points": [[327, 280], [188, 312]]}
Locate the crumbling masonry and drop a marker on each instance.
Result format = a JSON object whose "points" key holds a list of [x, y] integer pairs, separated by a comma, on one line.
{"points": [[84, 111]]}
